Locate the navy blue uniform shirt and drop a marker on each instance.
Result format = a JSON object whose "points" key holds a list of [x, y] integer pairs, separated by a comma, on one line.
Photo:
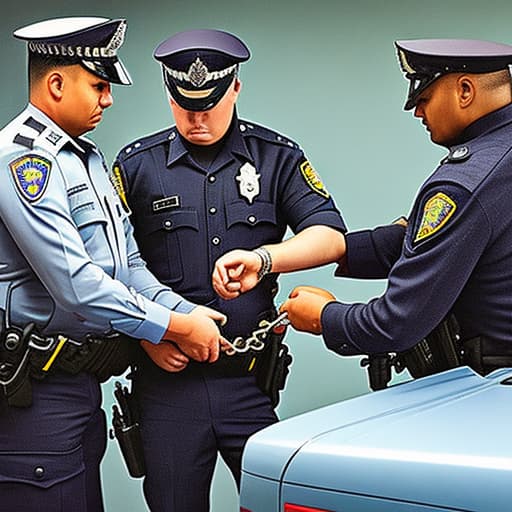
{"points": [[186, 216], [457, 253]]}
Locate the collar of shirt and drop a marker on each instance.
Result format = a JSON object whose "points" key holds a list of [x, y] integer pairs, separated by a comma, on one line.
{"points": [[234, 143], [489, 122]]}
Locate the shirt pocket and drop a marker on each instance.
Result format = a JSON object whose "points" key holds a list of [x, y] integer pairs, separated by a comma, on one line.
{"points": [[165, 239], [91, 222], [256, 222]]}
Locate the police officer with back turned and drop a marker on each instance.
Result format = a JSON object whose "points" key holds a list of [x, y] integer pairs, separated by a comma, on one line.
{"points": [[457, 253], [209, 184], [73, 287]]}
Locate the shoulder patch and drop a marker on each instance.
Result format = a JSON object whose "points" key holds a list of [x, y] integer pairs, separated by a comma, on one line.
{"points": [[31, 174], [436, 213], [313, 179]]}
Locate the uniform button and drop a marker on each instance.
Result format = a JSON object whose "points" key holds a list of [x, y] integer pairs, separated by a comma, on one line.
{"points": [[213, 210], [243, 128], [211, 179], [172, 136], [136, 145], [168, 224], [39, 472], [215, 240], [251, 219], [344, 347]]}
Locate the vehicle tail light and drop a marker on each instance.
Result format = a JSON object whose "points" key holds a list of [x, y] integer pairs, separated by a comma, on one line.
{"points": [[290, 507]]}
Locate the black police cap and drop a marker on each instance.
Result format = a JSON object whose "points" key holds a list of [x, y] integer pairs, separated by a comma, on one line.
{"points": [[90, 41], [200, 65], [425, 60]]}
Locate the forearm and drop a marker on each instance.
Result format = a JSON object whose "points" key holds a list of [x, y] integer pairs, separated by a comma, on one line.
{"points": [[312, 247]]}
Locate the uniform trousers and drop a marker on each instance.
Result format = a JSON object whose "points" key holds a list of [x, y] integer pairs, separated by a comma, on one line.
{"points": [[50, 452], [187, 418]]}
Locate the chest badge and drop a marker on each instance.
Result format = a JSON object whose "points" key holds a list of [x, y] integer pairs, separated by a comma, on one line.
{"points": [[31, 173], [248, 182]]}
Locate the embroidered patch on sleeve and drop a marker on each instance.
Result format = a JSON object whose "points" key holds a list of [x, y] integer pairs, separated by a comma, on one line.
{"points": [[31, 174], [436, 213], [313, 179]]}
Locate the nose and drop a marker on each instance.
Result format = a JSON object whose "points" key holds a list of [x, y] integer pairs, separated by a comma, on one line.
{"points": [[106, 98], [418, 111], [195, 117]]}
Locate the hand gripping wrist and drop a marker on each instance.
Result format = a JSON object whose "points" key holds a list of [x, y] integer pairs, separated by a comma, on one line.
{"points": [[266, 262]]}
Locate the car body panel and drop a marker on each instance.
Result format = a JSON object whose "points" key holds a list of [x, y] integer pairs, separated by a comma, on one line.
{"points": [[437, 443]]}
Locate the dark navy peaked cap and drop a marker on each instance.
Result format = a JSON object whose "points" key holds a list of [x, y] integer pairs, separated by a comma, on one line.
{"points": [[424, 60], [90, 41], [200, 65]]}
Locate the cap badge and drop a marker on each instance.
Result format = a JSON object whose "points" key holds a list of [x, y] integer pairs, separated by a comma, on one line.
{"points": [[436, 213], [249, 184], [31, 173], [198, 73]]}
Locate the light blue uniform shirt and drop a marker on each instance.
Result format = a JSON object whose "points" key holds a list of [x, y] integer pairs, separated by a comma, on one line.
{"points": [[68, 259]]}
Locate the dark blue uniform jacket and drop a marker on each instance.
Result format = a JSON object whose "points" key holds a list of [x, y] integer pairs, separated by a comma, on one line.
{"points": [[457, 253], [186, 216]]}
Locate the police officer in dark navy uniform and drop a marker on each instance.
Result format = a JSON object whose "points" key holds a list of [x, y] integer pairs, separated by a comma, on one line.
{"points": [[72, 283], [209, 184], [457, 252]]}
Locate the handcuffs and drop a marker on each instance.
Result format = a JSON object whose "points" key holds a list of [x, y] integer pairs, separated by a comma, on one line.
{"points": [[256, 341]]}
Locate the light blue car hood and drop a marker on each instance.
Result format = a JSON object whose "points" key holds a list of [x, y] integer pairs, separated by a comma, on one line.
{"points": [[449, 431]]}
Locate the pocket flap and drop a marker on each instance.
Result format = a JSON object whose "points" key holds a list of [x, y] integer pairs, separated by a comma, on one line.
{"points": [[40, 469]]}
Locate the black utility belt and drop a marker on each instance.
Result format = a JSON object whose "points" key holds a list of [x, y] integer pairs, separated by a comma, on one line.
{"points": [[25, 353], [485, 354]]}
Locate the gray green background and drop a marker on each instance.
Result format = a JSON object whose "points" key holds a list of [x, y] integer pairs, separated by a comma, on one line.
{"points": [[325, 74]]}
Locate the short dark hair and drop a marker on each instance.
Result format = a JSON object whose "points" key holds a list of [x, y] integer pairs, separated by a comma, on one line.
{"points": [[39, 64], [495, 80]]}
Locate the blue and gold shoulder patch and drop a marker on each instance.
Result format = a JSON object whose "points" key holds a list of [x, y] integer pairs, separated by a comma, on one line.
{"points": [[31, 174], [313, 179], [436, 213]]}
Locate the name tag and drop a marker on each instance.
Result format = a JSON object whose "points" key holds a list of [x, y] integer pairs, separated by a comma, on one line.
{"points": [[166, 203]]}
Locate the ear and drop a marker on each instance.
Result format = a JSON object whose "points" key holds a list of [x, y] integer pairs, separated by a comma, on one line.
{"points": [[237, 87], [55, 84], [466, 91]]}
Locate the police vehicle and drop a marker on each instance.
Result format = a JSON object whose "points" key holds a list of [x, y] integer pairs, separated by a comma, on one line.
{"points": [[439, 443]]}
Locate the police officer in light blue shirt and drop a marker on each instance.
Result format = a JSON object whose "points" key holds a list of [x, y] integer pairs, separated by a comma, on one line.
{"points": [[70, 272], [456, 256]]}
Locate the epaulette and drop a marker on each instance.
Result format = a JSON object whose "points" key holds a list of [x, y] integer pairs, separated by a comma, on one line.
{"points": [[33, 134], [250, 129], [146, 142]]}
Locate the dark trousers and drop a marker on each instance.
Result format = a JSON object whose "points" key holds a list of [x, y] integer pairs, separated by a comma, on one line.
{"points": [[187, 419], [50, 452]]}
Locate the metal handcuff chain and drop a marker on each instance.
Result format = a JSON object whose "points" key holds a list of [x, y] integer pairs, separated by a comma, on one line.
{"points": [[256, 341]]}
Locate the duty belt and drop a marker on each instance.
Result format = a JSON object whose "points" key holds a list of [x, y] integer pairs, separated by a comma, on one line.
{"points": [[26, 353]]}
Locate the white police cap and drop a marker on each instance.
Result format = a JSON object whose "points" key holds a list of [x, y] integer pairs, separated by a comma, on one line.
{"points": [[92, 42]]}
